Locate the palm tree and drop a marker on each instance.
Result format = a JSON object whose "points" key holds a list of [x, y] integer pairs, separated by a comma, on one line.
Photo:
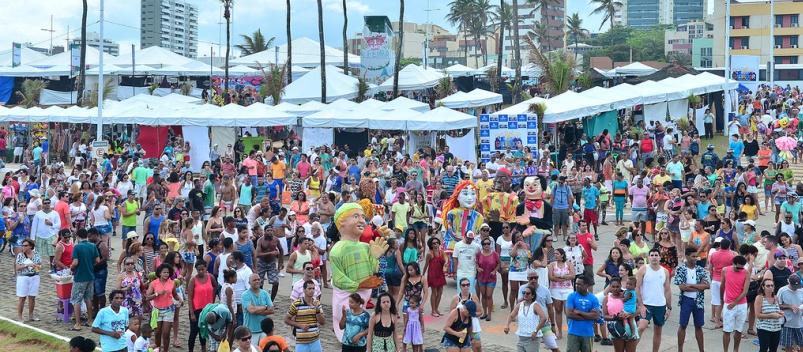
{"points": [[362, 88], [397, 64], [289, 48], [557, 68], [345, 40], [516, 54], [608, 9], [483, 12], [575, 30], [82, 69], [445, 86], [255, 43], [227, 15], [323, 51], [540, 33], [502, 15], [273, 82], [460, 15], [542, 6], [31, 89], [108, 90]]}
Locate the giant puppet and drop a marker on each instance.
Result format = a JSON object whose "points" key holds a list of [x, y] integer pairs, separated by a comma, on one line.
{"points": [[499, 206], [459, 217], [534, 216], [354, 263]]}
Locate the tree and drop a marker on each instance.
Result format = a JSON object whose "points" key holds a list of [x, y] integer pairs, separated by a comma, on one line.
{"points": [[482, 14], [681, 58], [502, 15], [31, 89], [362, 88], [397, 64], [608, 9], [345, 40], [322, 51], [108, 90], [273, 82], [540, 33], [255, 43], [289, 47], [517, 55], [542, 6], [557, 69], [227, 15], [647, 44], [445, 86], [82, 69], [575, 30], [460, 15]]}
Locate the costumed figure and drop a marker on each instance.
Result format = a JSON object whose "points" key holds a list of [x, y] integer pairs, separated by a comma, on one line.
{"points": [[459, 217], [500, 205], [785, 145], [534, 216], [354, 263]]}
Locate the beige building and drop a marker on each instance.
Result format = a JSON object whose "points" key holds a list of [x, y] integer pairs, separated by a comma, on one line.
{"points": [[750, 31], [680, 40]]}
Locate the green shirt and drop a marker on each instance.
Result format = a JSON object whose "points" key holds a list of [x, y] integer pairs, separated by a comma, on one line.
{"points": [[140, 175], [355, 259], [130, 220], [85, 253], [209, 194]]}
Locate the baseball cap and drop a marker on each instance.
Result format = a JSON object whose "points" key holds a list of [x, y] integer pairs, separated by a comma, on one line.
{"points": [[779, 254], [730, 150], [719, 239], [470, 234], [751, 223], [794, 282], [471, 306], [800, 260]]}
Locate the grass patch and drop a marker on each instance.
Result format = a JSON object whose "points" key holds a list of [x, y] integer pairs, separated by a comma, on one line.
{"points": [[18, 336]]}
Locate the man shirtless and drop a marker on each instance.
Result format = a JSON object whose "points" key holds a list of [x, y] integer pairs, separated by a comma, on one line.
{"points": [[157, 188], [326, 209], [268, 250], [228, 193]]}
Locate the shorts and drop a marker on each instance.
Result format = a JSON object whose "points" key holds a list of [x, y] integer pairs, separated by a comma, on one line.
{"points": [[141, 190], [779, 200], [126, 229], [82, 292], [579, 343], [549, 339], [791, 337], [268, 269], [188, 257], [733, 319], [17, 151], [688, 308], [449, 343], [527, 344], [394, 278], [590, 216], [103, 229], [45, 247], [167, 314], [639, 215], [207, 213], [100, 282], [486, 284], [27, 286], [588, 272], [560, 217], [656, 313], [560, 294], [420, 225], [716, 299], [767, 190]]}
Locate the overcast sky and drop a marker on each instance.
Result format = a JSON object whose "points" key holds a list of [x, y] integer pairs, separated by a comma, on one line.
{"points": [[25, 20]]}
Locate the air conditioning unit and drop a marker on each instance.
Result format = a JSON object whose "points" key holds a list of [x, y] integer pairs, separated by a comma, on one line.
{"points": [[731, 27], [778, 25], [794, 46], [777, 46], [795, 25]]}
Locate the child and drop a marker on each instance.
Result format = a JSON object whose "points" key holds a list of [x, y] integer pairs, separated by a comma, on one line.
{"points": [[576, 218], [143, 342], [414, 326], [131, 333], [639, 262], [630, 307], [267, 328]]}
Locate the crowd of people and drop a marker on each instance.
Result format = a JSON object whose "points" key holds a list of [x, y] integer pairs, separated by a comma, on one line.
{"points": [[208, 243]]}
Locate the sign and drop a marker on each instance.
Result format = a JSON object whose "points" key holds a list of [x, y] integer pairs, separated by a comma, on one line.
{"points": [[75, 59], [377, 57], [744, 69], [499, 132], [16, 54], [100, 149]]}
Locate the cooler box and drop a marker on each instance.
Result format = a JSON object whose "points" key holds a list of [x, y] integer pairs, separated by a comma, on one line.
{"points": [[63, 285]]}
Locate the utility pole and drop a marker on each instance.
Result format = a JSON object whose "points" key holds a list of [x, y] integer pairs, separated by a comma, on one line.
{"points": [[727, 91], [771, 64], [426, 36], [99, 136], [51, 30]]}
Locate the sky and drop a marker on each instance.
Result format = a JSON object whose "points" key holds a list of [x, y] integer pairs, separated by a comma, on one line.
{"points": [[29, 21]]}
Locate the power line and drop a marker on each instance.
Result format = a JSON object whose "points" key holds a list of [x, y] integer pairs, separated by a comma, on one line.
{"points": [[55, 37]]}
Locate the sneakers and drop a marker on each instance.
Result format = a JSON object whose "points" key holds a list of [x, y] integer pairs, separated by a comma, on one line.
{"points": [[281, 274], [606, 342], [597, 338], [596, 237]]}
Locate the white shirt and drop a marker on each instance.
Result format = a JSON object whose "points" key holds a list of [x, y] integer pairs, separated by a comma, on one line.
{"points": [[466, 253], [41, 230], [491, 167], [691, 278], [242, 282]]}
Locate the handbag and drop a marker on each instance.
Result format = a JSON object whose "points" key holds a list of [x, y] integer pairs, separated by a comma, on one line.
{"points": [[752, 291]]}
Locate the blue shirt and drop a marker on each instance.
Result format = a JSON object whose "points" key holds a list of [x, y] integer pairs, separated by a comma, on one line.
{"points": [[590, 195], [560, 196], [108, 320], [576, 301], [273, 186], [738, 148], [354, 170], [252, 321]]}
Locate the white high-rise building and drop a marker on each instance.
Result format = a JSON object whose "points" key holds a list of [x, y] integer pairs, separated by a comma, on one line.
{"points": [[170, 24], [93, 40]]}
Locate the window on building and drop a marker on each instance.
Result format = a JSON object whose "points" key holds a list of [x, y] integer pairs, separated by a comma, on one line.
{"points": [[745, 42], [779, 20], [795, 19], [778, 40], [733, 22], [793, 40], [745, 21]]}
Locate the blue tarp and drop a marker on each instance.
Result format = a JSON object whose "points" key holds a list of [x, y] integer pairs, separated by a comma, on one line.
{"points": [[6, 87]]}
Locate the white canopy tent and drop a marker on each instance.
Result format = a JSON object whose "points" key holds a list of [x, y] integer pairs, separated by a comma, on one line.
{"points": [[307, 108], [334, 118], [621, 96], [373, 103], [570, 105], [406, 103], [474, 98], [634, 69], [413, 77], [154, 56], [242, 70], [65, 58], [392, 120], [343, 104], [520, 108], [187, 70], [458, 70], [27, 56], [441, 119], [506, 71], [21, 71], [307, 88], [284, 106], [306, 53], [107, 70]]}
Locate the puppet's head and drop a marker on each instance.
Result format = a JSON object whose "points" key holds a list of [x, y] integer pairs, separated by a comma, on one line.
{"points": [[533, 188], [350, 221], [464, 196], [502, 181]]}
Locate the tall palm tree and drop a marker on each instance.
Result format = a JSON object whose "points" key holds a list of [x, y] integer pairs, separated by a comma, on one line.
{"points": [[502, 15], [540, 33], [82, 69], [397, 64], [542, 7], [575, 29], [608, 9], [345, 40], [460, 15], [255, 43], [483, 11], [227, 15], [323, 51], [516, 54], [289, 62]]}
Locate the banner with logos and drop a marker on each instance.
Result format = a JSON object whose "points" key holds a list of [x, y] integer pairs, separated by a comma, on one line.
{"points": [[498, 132], [75, 59], [16, 54], [744, 68]]}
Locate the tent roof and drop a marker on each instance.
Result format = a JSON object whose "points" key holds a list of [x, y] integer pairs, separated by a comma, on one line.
{"points": [[570, 105], [307, 108], [58, 70], [404, 102], [21, 71], [506, 71], [153, 56], [344, 104], [335, 118], [476, 97], [189, 69], [27, 56], [414, 77], [307, 88], [672, 70], [285, 106], [306, 53], [441, 119], [65, 58], [458, 70], [635, 69], [108, 69], [392, 120], [242, 70], [373, 103]]}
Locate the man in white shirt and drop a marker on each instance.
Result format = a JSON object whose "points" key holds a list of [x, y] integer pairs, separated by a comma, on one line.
{"points": [[298, 287], [465, 259], [243, 275], [46, 223], [492, 166]]}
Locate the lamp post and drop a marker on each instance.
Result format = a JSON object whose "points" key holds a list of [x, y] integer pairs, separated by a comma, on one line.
{"points": [[51, 30], [99, 135]]}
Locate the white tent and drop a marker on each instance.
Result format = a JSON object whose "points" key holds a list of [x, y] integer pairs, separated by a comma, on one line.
{"points": [[634, 69], [21, 71], [392, 120], [187, 70], [344, 104], [520, 108], [307, 108], [284, 106], [655, 92], [307, 88], [476, 97], [65, 58], [306, 53], [621, 96], [441, 119], [458, 70], [108, 70], [335, 118], [532, 70], [58, 70], [242, 70], [570, 105], [506, 71], [373, 103], [413, 77], [27, 56], [406, 103], [269, 115], [153, 56]]}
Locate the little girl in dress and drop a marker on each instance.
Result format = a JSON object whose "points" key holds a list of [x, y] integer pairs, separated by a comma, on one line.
{"points": [[414, 326]]}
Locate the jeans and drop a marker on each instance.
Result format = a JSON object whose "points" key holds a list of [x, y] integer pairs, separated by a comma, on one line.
{"points": [[620, 207], [768, 340], [194, 331]]}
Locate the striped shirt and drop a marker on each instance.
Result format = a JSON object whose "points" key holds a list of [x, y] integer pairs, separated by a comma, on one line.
{"points": [[305, 314]]}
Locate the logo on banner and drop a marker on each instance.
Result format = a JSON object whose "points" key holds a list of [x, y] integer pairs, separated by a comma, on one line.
{"points": [[503, 125], [485, 141], [375, 42], [75, 59], [16, 54], [522, 117], [484, 118], [503, 118], [512, 125], [494, 125], [532, 125], [522, 125], [485, 147], [532, 118], [484, 132]]}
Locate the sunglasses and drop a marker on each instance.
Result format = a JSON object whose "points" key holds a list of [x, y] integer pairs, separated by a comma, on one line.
{"points": [[26, 245], [528, 293], [129, 263], [309, 269], [486, 244], [465, 285], [247, 338], [505, 227]]}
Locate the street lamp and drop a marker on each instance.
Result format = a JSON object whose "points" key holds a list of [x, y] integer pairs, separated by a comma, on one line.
{"points": [[51, 30]]}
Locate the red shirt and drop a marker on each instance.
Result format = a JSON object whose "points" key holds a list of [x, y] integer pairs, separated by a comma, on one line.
{"points": [[583, 240], [719, 260], [3, 143], [63, 209]]}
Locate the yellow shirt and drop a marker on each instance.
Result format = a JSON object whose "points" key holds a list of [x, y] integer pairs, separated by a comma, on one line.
{"points": [[278, 169], [660, 180], [484, 187]]}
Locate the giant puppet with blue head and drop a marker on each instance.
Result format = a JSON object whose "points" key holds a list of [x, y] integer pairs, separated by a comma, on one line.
{"points": [[459, 217]]}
